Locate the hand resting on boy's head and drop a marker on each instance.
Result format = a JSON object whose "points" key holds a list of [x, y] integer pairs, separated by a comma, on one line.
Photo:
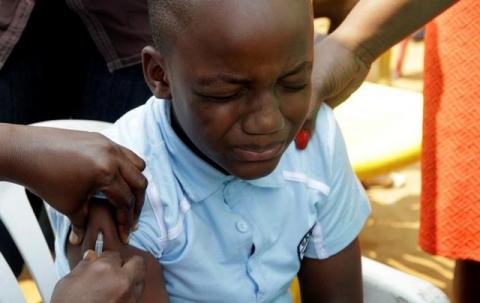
{"points": [[101, 219]]}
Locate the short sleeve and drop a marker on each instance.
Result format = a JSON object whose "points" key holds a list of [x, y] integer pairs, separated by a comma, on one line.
{"points": [[148, 236], [341, 216], [61, 228]]}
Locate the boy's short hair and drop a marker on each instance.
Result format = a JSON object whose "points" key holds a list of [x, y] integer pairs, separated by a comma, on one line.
{"points": [[167, 20]]}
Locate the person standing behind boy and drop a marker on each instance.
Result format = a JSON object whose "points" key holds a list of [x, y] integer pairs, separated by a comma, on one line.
{"points": [[233, 211], [64, 59], [450, 203]]}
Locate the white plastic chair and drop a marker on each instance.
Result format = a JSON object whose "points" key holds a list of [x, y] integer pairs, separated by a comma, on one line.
{"points": [[7, 280], [385, 284], [20, 221], [10, 294]]}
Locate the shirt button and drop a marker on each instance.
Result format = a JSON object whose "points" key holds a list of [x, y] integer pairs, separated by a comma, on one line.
{"points": [[242, 226]]}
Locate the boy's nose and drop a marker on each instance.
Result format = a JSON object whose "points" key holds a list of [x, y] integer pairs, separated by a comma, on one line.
{"points": [[265, 116]]}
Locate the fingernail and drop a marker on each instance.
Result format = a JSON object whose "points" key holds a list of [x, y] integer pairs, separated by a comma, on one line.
{"points": [[302, 139], [135, 227], [124, 237], [74, 239], [87, 254]]}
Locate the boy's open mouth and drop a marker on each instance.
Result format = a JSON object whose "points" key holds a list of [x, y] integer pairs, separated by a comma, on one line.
{"points": [[254, 153]]}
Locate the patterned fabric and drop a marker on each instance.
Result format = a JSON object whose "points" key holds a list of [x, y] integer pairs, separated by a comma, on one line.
{"points": [[119, 28], [450, 212]]}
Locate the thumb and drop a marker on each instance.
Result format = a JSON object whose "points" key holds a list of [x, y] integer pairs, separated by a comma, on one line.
{"points": [[76, 235], [89, 256]]}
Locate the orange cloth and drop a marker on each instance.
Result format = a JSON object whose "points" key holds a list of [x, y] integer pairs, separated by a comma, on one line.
{"points": [[450, 208]]}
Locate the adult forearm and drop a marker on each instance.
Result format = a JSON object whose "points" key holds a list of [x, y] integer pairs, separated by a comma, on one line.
{"points": [[373, 26], [335, 10], [67, 167], [18, 152], [8, 136]]}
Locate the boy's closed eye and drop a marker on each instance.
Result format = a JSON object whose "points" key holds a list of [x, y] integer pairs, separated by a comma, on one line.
{"points": [[298, 78], [221, 87], [294, 85], [291, 83], [222, 96], [101, 219]]}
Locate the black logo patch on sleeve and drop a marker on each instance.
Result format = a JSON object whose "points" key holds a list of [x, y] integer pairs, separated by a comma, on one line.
{"points": [[302, 246]]}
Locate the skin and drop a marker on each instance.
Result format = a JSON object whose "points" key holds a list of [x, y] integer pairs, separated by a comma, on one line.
{"points": [[239, 98], [66, 168], [345, 287], [238, 103], [465, 282], [106, 279], [334, 10], [323, 80], [151, 289], [367, 30]]}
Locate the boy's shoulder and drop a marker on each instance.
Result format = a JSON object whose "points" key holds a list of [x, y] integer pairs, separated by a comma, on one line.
{"points": [[146, 131], [138, 129], [316, 160], [326, 131]]}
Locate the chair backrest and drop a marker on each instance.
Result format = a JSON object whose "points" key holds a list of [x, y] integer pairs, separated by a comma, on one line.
{"points": [[382, 283], [20, 221], [11, 292], [385, 284]]}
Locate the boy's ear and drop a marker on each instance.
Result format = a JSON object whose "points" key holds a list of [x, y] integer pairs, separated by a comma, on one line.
{"points": [[155, 74]]}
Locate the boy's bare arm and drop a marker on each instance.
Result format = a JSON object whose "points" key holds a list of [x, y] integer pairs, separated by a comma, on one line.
{"points": [[334, 280], [100, 218]]}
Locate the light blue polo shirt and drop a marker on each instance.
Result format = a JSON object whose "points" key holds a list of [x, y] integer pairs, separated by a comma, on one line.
{"points": [[223, 239]]}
